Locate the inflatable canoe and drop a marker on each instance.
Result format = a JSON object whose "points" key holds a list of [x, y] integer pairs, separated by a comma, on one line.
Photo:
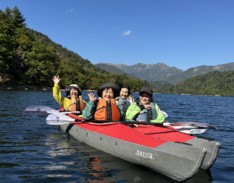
{"points": [[161, 149]]}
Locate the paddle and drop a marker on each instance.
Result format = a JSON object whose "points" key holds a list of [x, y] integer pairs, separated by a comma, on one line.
{"points": [[62, 112], [193, 124], [59, 118], [37, 108], [185, 127], [177, 125], [41, 108], [193, 131]]}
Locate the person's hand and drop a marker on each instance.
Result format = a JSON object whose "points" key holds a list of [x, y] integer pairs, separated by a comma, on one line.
{"points": [[130, 99], [92, 97], [147, 106], [56, 79], [135, 125]]}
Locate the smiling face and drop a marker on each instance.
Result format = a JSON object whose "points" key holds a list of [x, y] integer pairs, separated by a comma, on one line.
{"points": [[145, 98], [124, 93], [74, 92], [107, 94]]}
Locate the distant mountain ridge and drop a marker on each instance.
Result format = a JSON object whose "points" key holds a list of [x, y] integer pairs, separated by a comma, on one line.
{"points": [[161, 72], [149, 72], [200, 70], [110, 68]]}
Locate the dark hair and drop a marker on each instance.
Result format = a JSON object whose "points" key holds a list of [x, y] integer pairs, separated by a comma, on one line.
{"points": [[125, 86], [114, 87]]}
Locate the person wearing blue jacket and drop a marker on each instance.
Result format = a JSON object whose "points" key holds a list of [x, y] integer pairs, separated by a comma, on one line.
{"points": [[124, 100]]}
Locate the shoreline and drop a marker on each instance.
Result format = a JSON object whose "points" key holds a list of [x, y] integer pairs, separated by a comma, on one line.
{"points": [[24, 87]]}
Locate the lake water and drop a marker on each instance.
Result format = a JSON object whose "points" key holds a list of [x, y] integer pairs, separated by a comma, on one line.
{"points": [[32, 151]]}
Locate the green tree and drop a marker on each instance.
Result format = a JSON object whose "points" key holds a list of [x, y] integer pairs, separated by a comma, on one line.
{"points": [[41, 64]]}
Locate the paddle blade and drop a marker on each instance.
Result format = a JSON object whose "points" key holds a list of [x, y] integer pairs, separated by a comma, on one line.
{"points": [[37, 108], [193, 125], [193, 131], [62, 112], [59, 117], [57, 122]]}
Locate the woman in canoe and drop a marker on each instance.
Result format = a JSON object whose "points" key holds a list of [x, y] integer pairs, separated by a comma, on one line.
{"points": [[73, 100], [145, 110], [105, 107], [124, 100]]}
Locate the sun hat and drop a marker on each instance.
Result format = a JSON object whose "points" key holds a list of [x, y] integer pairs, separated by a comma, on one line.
{"points": [[147, 90], [75, 86], [108, 85]]}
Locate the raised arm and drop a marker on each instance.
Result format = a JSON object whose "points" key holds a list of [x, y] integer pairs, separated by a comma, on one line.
{"points": [[88, 112], [56, 90]]}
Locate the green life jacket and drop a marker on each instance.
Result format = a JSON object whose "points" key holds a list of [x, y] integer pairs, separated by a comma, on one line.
{"points": [[147, 115], [154, 115]]}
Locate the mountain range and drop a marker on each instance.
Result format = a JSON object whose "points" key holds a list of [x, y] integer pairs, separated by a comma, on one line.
{"points": [[161, 72], [30, 58]]}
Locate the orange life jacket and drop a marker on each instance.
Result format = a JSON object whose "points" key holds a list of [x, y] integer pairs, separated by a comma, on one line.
{"points": [[82, 105], [107, 111], [77, 105]]}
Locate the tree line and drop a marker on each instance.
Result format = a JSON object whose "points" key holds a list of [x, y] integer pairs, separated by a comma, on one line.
{"points": [[28, 57], [214, 83]]}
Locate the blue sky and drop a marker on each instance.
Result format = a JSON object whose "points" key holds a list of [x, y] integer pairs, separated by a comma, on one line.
{"points": [[179, 33]]}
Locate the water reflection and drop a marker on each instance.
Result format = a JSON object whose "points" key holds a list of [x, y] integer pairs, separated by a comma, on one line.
{"points": [[32, 151], [72, 158]]}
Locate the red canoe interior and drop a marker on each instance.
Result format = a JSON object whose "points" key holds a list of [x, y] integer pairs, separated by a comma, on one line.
{"points": [[146, 135]]}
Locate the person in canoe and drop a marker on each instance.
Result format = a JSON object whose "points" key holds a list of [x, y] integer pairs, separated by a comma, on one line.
{"points": [[145, 110], [105, 107], [124, 100], [72, 101]]}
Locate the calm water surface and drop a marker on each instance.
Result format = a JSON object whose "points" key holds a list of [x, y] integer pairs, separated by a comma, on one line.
{"points": [[32, 151]]}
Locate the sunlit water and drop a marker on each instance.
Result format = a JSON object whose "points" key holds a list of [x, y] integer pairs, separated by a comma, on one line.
{"points": [[32, 151]]}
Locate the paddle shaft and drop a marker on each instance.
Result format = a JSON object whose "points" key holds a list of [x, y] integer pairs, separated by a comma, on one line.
{"points": [[176, 125], [173, 125]]}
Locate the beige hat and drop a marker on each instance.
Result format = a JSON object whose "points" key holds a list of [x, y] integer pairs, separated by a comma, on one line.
{"points": [[75, 86]]}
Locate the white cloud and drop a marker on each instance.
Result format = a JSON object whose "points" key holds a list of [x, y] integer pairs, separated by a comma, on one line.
{"points": [[127, 33]]}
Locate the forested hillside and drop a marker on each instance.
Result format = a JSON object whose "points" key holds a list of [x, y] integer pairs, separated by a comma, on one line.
{"points": [[30, 58], [200, 70], [215, 83]]}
